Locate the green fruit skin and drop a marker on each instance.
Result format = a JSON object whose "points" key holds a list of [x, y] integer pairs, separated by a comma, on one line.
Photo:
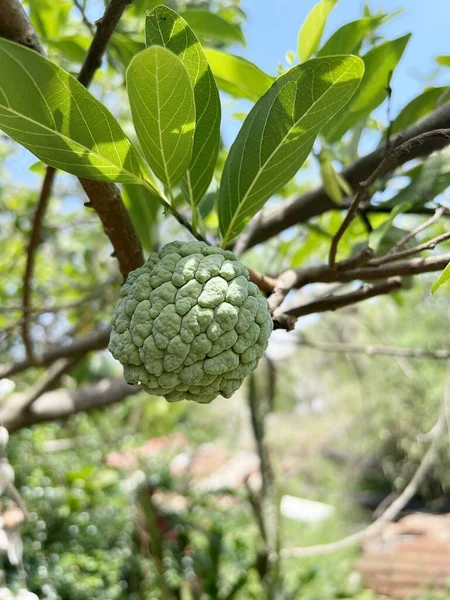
{"points": [[190, 325]]}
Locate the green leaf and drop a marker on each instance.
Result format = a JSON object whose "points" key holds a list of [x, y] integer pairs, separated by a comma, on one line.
{"points": [[379, 62], [211, 26], [443, 278], [330, 180], [125, 48], [164, 27], [279, 133], [378, 235], [420, 106], [348, 38], [50, 113], [50, 17], [428, 182], [163, 111], [143, 207], [72, 47], [237, 76], [443, 60], [311, 31]]}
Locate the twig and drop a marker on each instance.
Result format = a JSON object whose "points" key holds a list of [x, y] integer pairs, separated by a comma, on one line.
{"points": [[411, 234], [334, 302], [35, 239], [273, 220], [105, 28], [430, 245], [291, 279], [268, 503], [385, 165], [374, 350], [397, 505], [84, 18]]}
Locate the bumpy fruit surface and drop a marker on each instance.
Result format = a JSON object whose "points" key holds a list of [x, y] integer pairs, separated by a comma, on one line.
{"points": [[189, 323]]}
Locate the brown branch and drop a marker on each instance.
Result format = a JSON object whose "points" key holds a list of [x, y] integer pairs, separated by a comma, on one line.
{"points": [[411, 234], [106, 199], [394, 157], [105, 28], [375, 350], [94, 341], [62, 403], [265, 283], [273, 220], [430, 245], [15, 25], [398, 504], [24, 401], [324, 274], [363, 190], [35, 240], [333, 302], [291, 279]]}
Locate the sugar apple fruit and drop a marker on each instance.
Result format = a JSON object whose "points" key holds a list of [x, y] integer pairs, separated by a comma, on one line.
{"points": [[189, 323]]}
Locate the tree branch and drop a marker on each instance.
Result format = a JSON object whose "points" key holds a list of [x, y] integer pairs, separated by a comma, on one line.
{"points": [[333, 302], [62, 403], [34, 242], [272, 221], [374, 350], [94, 341], [411, 234], [398, 504], [15, 26]]}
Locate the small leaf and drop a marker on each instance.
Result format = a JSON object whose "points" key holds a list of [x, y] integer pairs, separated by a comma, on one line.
{"points": [[429, 181], [211, 26], [379, 65], [163, 111], [143, 207], [72, 47], [348, 38], [420, 106], [125, 48], [279, 133], [312, 29], [50, 113], [443, 278], [377, 236], [237, 76], [443, 60], [164, 27], [330, 180]]}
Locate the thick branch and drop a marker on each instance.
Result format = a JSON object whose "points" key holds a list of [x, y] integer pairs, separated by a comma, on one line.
{"points": [[15, 25], [106, 199], [94, 341], [62, 403], [273, 221], [399, 503]]}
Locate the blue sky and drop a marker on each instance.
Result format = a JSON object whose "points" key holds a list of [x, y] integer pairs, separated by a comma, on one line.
{"points": [[272, 27]]}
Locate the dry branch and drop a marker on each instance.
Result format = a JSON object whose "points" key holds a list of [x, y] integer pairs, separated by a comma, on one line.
{"points": [[374, 349], [94, 341], [62, 403], [398, 504]]}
